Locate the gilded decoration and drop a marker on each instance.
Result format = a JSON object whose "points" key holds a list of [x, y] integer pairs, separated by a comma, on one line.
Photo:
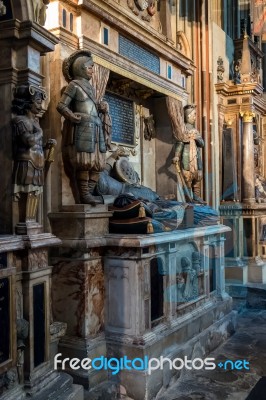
{"points": [[247, 116]]}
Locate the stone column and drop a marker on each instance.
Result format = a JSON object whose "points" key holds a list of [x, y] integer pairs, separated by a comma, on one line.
{"points": [[248, 175], [78, 285]]}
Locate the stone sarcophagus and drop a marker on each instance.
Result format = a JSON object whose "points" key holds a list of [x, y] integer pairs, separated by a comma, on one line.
{"points": [[164, 297]]}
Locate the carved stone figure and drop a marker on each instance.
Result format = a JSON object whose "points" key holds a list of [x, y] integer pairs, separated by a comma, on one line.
{"points": [[187, 156], [237, 71], [86, 132], [191, 282], [22, 334], [39, 10], [119, 177], [147, 6], [149, 129], [220, 70], [29, 160], [2, 9]]}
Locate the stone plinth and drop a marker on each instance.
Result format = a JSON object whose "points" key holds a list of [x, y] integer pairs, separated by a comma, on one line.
{"points": [[165, 296], [78, 284], [27, 367], [80, 221], [244, 247]]}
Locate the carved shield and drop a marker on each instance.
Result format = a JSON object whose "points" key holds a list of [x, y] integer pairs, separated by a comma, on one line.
{"points": [[142, 4]]}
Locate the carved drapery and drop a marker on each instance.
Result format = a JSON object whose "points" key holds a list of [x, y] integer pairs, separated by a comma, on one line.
{"points": [[99, 80], [175, 111]]}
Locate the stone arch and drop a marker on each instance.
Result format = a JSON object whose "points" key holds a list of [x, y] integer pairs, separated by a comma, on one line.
{"points": [[183, 44]]}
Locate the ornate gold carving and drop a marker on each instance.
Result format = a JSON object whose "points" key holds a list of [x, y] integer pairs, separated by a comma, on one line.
{"points": [[247, 116], [229, 121]]}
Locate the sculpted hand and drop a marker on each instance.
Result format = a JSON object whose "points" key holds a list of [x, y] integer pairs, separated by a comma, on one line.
{"points": [[194, 134], [75, 117], [118, 153], [176, 161], [51, 143]]}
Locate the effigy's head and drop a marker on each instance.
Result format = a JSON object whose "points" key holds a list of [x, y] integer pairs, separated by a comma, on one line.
{"points": [[78, 65], [82, 67], [190, 113], [28, 97]]}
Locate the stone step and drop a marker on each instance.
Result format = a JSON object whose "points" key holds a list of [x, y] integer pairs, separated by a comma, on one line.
{"points": [[61, 389], [250, 295]]}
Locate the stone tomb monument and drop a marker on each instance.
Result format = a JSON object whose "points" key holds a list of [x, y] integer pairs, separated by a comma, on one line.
{"points": [[131, 295]]}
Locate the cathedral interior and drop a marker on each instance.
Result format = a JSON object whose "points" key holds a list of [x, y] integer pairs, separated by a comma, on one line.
{"points": [[133, 201]]}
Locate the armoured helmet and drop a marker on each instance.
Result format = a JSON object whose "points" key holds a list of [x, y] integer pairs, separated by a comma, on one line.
{"points": [[78, 67], [73, 66]]}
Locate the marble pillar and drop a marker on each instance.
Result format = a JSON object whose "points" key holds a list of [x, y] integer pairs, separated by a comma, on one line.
{"points": [[248, 173], [78, 284]]}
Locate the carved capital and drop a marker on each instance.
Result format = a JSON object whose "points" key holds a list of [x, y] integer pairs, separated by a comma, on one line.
{"points": [[247, 116]]}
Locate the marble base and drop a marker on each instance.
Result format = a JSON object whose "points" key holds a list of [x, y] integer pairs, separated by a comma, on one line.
{"points": [[74, 347], [80, 221], [61, 389], [16, 393], [193, 337], [244, 247], [236, 274], [78, 295], [257, 270], [249, 270], [28, 228]]}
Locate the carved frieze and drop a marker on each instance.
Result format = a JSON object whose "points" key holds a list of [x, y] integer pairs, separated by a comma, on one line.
{"points": [[144, 8], [37, 259], [220, 70]]}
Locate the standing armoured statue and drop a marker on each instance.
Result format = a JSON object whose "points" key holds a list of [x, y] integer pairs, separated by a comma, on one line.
{"points": [[187, 156], [85, 133], [29, 160]]}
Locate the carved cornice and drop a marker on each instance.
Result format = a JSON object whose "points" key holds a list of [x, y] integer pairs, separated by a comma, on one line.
{"points": [[129, 69], [71, 3], [237, 209], [40, 38], [121, 20], [227, 90], [66, 37]]}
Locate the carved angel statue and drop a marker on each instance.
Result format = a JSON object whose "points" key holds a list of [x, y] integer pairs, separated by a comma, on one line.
{"points": [[187, 157]]}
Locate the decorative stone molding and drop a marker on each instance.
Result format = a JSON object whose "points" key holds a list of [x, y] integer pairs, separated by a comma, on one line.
{"points": [[183, 44]]}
